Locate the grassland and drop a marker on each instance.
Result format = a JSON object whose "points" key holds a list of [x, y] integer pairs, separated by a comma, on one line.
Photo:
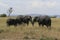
{"points": [[24, 32]]}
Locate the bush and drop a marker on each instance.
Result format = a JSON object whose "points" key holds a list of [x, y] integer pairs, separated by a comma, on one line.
{"points": [[3, 15], [53, 16]]}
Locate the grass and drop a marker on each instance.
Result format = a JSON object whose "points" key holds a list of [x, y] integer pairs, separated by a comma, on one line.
{"points": [[24, 32]]}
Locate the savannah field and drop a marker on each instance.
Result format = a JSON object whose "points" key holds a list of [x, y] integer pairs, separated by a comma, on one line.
{"points": [[24, 32]]}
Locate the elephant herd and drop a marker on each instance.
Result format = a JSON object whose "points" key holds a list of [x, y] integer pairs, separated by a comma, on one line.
{"points": [[41, 20]]}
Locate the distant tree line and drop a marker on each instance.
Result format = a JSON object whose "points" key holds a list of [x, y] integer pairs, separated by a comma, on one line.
{"points": [[3, 15], [53, 16]]}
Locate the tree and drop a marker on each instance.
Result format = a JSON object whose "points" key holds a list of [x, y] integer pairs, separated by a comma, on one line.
{"points": [[3, 15], [10, 10]]}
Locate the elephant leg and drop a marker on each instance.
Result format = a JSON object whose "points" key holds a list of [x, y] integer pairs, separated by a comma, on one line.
{"points": [[27, 23], [15, 25], [39, 24]]}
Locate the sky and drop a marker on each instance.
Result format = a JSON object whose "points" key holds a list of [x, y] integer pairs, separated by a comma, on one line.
{"points": [[46, 7]]}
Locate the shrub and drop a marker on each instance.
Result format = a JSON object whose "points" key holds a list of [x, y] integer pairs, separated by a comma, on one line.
{"points": [[53, 16], [3, 15]]}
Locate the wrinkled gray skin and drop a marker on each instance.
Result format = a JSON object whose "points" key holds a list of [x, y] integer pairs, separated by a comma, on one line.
{"points": [[24, 19], [11, 22], [42, 20]]}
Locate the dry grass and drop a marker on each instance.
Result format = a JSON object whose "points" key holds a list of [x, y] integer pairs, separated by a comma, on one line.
{"points": [[24, 32]]}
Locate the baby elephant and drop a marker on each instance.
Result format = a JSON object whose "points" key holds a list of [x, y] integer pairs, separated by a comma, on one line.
{"points": [[11, 22]]}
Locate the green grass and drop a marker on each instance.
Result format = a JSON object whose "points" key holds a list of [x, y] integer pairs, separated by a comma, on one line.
{"points": [[24, 32]]}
